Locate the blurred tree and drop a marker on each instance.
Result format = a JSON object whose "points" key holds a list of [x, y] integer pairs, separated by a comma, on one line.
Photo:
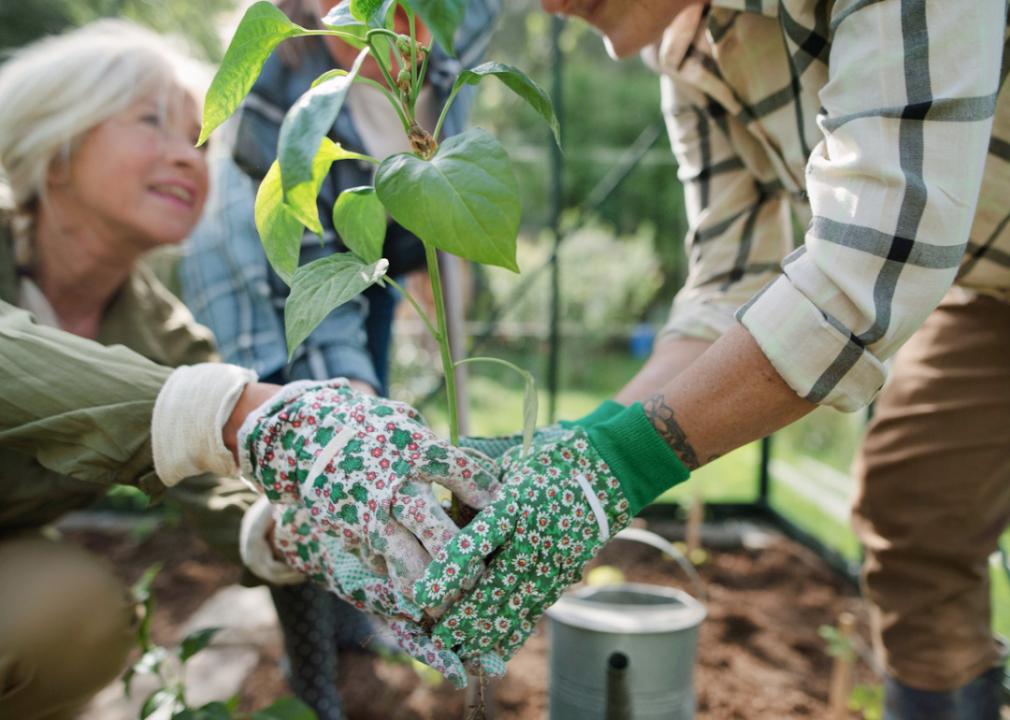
{"points": [[25, 20]]}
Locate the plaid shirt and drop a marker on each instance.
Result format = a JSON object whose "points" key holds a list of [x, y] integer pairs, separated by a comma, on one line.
{"points": [[870, 122]]}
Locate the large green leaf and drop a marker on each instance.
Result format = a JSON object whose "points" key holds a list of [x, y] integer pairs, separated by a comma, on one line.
{"points": [[373, 12], [360, 220], [287, 708], [519, 83], [322, 285], [465, 200], [307, 123], [301, 199], [280, 231], [262, 28], [442, 17]]}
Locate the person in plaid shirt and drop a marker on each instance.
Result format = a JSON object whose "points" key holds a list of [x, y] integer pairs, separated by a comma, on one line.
{"points": [[877, 124]]}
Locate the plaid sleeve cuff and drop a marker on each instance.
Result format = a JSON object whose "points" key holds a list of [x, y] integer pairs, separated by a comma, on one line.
{"points": [[820, 359]]}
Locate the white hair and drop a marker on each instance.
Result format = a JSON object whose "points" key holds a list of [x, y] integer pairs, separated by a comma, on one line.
{"points": [[55, 90]]}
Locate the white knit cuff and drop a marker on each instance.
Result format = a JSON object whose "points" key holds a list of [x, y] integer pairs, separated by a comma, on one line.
{"points": [[255, 549], [191, 410]]}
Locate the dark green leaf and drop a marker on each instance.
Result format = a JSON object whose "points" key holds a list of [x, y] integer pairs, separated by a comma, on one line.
{"points": [[211, 711], [287, 708], [262, 28], [442, 17], [155, 701], [280, 231], [465, 200], [360, 220], [322, 285], [519, 83], [301, 199], [305, 126], [196, 641]]}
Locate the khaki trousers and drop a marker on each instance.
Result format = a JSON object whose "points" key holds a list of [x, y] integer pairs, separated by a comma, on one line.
{"points": [[66, 627], [934, 495]]}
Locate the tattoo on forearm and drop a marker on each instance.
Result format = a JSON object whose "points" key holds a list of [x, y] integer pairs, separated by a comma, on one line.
{"points": [[661, 416]]}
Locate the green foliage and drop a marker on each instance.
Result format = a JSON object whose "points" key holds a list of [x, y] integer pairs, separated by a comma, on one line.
{"points": [[868, 700], [530, 399], [301, 199], [373, 12], [464, 200], [196, 641], [838, 646], [280, 230], [360, 219], [262, 28], [302, 133], [322, 285], [519, 83], [285, 709], [442, 17], [23, 21]]}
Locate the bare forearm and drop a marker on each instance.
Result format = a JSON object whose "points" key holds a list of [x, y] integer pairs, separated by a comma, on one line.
{"points": [[730, 396], [667, 361], [254, 395]]}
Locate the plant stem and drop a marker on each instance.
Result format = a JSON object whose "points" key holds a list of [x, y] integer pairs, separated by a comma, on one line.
{"points": [[380, 61], [445, 111], [417, 307], [443, 341]]}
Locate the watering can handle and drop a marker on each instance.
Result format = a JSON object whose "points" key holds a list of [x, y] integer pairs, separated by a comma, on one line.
{"points": [[647, 537]]}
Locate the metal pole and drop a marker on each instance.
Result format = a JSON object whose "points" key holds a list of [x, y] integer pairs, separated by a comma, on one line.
{"points": [[764, 474], [557, 168]]}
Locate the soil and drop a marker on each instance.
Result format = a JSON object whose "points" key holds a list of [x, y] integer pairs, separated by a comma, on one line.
{"points": [[760, 655]]}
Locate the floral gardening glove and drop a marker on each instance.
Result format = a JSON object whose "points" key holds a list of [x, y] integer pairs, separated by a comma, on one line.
{"points": [[323, 560], [495, 447], [362, 467], [559, 506]]}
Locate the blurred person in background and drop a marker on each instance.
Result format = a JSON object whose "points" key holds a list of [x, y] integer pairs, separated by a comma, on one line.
{"points": [[230, 287]]}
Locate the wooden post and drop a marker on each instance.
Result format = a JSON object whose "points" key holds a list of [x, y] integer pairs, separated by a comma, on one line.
{"points": [[841, 673], [695, 516]]}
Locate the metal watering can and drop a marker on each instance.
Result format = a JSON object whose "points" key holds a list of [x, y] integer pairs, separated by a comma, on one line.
{"points": [[626, 651]]}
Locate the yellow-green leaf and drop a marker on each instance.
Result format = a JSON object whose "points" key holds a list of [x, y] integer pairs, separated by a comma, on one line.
{"points": [[280, 231]]}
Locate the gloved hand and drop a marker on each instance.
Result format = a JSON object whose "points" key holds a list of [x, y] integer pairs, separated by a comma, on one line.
{"points": [[362, 468], [559, 506], [495, 447], [323, 559]]}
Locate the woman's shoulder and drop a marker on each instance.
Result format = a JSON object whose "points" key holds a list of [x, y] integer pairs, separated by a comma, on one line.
{"points": [[146, 317]]}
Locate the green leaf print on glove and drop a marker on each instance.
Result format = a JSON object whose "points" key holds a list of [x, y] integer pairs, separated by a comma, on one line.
{"points": [[362, 467]]}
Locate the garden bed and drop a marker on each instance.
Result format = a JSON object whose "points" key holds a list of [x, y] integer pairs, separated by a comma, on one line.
{"points": [[760, 654]]}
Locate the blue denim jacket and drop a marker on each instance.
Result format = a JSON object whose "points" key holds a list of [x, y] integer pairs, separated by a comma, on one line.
{"points": [[226, 280]]}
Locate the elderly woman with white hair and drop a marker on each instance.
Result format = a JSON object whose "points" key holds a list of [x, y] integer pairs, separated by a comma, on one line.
{"points": [[97, 134]]}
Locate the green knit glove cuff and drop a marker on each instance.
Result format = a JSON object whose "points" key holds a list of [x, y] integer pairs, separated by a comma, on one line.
{"points": [[607, 410], [637, 456]]}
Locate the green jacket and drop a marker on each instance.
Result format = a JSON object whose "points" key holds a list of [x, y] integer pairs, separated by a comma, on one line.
{"points": [[75, 414]]}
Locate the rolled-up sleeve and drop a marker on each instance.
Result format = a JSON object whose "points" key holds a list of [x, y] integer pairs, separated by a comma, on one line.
{"points": [[906, 119], [739, 221]]}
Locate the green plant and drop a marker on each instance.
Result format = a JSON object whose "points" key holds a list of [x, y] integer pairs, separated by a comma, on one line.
{"points": [[168, 666], [459, 195]]}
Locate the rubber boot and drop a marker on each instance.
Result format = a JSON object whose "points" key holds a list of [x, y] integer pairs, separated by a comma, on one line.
{"points": [[977, 700]]}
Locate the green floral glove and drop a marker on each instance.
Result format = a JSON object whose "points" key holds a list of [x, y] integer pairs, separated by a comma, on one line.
{"points": [[495, 447], [362, 467], [323, 560], [559, 506]]}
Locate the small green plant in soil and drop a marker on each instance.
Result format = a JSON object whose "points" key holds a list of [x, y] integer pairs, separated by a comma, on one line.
{"points": [[168, 665], [457, 195]]}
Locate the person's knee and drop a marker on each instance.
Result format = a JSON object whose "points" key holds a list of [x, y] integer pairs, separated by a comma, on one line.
{"points": [[66, 628]]}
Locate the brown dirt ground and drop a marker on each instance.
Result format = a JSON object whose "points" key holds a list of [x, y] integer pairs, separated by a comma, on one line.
{"points": [[760, 655]]}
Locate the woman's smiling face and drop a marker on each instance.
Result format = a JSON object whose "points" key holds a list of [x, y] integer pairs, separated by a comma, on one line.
{"points": [[138, 173], [627, 25]]}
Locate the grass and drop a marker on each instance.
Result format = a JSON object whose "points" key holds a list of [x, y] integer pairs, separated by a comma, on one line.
{"points": [[822, 445]]}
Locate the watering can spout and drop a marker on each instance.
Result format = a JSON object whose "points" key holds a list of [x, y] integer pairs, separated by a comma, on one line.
{"points": [[618, 696]]}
